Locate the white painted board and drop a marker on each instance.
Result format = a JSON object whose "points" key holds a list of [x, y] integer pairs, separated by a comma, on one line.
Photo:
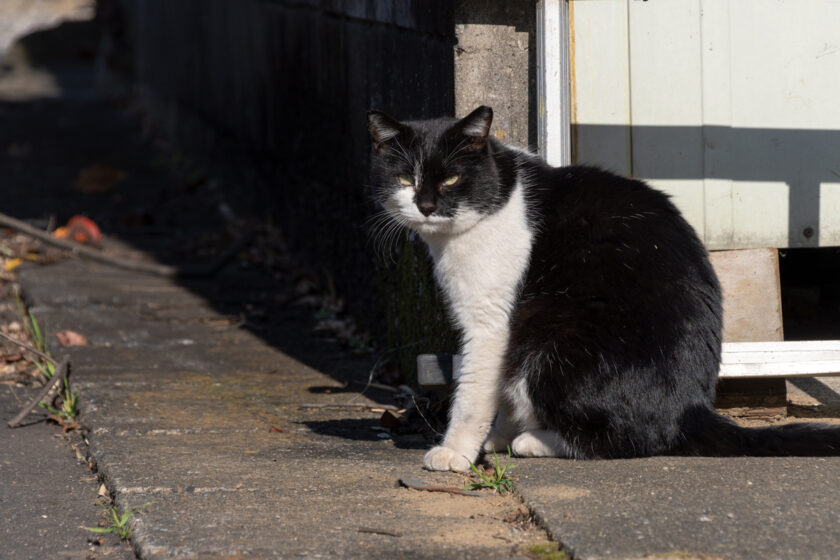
{"points": [[730, 106], [812, 358]]}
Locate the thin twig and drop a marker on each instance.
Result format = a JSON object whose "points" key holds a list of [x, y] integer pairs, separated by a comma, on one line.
{"points": [[59, 375], [28, 347], [416, 484], [380, 386], [352, 405], [379, 532], [207, 269], [423, 416], [379, 360], [17, 398]]}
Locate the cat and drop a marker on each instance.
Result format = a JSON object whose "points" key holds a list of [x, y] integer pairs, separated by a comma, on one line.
{"points": [[590, 315]]}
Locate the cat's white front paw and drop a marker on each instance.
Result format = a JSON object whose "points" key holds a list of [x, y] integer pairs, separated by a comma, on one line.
{"points": [[442, 458]]}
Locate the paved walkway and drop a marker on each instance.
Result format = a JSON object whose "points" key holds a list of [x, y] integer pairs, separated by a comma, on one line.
{"points": [[203, 419]]}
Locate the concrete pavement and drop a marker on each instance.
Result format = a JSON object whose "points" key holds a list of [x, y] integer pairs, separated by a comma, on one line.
{"points": [[203, 419]]}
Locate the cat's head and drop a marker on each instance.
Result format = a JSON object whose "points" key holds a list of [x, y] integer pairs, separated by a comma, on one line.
{"points": [[435, 176]]}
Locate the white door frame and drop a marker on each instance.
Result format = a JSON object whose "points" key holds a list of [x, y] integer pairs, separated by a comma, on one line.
{"points": [[553, 82]]}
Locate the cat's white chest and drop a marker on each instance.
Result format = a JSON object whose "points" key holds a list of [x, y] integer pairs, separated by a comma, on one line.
{"points": [[480, 269]]}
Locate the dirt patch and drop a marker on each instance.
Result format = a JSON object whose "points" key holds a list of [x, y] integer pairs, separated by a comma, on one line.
{"points": [[563, 492], [493, 521]]}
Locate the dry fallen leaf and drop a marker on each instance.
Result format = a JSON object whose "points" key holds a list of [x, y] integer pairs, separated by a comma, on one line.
{"points": [[66, 425], [80, 229], [98, 178], [12, 264], [71, 338]]}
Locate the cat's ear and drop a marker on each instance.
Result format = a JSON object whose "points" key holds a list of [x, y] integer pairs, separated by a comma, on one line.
{"points": [[382, 129], [476, 126]]}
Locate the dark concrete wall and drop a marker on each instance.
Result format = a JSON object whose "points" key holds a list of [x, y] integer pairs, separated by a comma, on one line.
{"points": [[271, 96]]}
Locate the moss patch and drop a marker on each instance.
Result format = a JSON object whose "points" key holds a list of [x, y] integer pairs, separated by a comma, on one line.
{"points": [[546, 551]]}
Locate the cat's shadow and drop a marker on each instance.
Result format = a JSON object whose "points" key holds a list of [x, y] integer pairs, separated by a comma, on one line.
{"points": [[364, 429]]}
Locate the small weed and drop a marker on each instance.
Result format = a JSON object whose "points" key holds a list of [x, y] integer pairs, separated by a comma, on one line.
{"points": [[360, 344], [499, 480], [118, 522], [67, 410], [38, 336]]}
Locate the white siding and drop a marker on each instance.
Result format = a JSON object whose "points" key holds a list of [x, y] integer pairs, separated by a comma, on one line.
{"points": [[733, 107]]}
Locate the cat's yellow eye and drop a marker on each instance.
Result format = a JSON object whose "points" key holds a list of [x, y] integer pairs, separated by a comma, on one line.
{"points": [[449, 181], [405, 180]]}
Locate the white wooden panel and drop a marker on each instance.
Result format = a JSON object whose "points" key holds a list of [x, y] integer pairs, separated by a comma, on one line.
{"points": [[719, 222], [600, 84], [811, 358], [830, 210], [785, 63], [733, 108], [663, 39], [781, 369], [829, 346], [760, 210]]}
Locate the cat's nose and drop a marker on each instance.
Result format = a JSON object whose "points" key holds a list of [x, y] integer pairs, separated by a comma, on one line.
{"points": [[426, 207]]}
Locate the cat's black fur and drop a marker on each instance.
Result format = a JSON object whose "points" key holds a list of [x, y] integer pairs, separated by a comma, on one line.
{"points": [[617, 326]]}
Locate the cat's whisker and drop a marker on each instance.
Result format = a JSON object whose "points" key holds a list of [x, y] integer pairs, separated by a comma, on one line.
{"points": [[382, 235], [393, 239], [385, 229]]}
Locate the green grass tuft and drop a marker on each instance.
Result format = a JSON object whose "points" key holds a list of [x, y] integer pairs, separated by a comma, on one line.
{"points": [[499, 480], [118, 522]]}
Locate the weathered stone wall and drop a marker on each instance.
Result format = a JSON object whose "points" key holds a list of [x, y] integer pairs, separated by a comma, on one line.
{"points": [[495, 65], [272, 97]]}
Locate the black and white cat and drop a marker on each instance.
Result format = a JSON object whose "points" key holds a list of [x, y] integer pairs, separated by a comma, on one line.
{"points": [[589, 312]]}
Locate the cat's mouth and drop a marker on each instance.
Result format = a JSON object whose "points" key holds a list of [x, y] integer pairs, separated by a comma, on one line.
{"points": [[429, 224], [411, 216], [442, 225]]}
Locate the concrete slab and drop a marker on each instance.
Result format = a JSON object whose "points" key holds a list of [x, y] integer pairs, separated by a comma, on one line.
{"points": [[733, 508], [330, 519]]}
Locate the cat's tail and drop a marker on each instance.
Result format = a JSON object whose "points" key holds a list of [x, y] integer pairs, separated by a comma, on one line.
{"points": [[707, 433]]}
